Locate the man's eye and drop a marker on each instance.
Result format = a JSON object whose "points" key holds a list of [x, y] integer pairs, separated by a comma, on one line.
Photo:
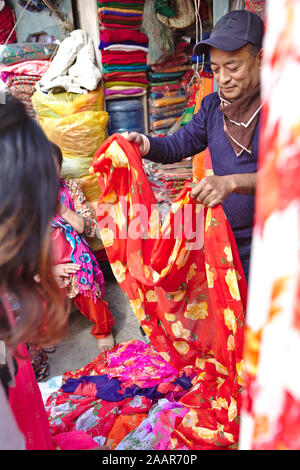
{"points": [[233, 69]]}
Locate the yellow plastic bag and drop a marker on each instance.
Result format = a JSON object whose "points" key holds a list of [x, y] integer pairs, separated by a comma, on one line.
{"points": [[76, 123]]}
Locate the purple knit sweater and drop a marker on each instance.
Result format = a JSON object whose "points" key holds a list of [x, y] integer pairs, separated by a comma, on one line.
{"points": [[206, 129]]}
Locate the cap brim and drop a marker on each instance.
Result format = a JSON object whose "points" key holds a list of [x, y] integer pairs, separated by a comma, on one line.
{"points": [[224, 43]]}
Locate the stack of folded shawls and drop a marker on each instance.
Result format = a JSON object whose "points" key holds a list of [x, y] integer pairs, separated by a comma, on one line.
{"points": [[167, 97], [167, 181], [21, 80], [124, 62], [121, 14]]}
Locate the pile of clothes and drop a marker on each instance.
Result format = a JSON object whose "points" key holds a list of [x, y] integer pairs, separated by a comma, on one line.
{"points": [[123, 49], [112, 396], [167, 97], [73, 68], [124, 64], [167, 181], [21, 79], [122, 14]]}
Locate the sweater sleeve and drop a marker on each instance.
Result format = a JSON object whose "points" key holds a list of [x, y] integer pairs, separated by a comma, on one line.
{"points": [[186, 142]]}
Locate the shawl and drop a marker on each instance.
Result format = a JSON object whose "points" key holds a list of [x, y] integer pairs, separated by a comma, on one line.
{"points": [[185, 283], [89, 277], [240, 119]]}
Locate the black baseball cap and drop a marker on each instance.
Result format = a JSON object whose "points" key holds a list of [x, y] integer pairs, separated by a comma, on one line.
{"points": [[233, 31]]}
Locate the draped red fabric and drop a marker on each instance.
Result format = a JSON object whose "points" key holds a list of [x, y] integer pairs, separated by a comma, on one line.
{"points": [[185, 283]]}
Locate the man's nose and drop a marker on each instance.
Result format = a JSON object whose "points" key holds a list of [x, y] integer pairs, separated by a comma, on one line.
{"points": [[224, 76]]}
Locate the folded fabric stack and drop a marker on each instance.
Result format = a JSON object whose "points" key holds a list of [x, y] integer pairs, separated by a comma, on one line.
{"points": [[167, 181], [7, 22], [124, 60], [22, 78], [167, 97], [122, 14]]}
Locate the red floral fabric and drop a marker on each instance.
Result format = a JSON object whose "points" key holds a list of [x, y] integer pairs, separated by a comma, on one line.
{"points": [[270, 418], [190, 299]]}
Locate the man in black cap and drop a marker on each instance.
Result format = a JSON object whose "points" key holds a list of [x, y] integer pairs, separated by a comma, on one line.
{"points": [[227, 123]]}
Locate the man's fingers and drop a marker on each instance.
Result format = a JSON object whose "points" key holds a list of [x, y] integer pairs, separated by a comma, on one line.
{"points": [[201, 192], [132, 136], [197, 190], [141, 140]]}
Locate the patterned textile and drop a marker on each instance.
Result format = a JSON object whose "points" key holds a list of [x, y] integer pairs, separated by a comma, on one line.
{"points": [[22, 87], [89, 279], [257, 6], [21, 52], [36, 68], [189, 297], [154, 432], [97, 418], [271, 410], [111, 396], [39, 361], [161, 40]]}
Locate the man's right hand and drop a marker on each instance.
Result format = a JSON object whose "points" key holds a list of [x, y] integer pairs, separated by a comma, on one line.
{"points": [[141, 140]]}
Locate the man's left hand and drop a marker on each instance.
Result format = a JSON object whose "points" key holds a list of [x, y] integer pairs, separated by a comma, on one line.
{"points": [[213, 190]]}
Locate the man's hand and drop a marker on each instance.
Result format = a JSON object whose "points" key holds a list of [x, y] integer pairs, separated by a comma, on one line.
{"points": [[141, 140], [213, 190]]}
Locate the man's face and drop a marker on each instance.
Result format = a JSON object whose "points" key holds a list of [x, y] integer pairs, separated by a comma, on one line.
{"points": [[235, 72]]}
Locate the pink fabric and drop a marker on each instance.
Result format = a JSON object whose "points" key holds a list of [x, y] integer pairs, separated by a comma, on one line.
{"points": [[136, 362], [27, 405], [74, 440], [31, 67]]}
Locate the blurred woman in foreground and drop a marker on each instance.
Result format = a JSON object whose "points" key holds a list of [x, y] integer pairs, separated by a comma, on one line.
{"points": [[28, 196]]}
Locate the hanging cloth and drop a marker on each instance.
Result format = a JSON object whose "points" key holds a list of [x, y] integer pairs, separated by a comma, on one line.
{"points": [[188, 293]]}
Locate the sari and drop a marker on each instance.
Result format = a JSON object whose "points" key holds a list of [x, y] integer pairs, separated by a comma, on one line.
{"points": [[185, 283]]}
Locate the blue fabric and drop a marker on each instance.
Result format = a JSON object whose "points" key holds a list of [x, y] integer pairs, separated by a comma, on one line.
{"points": [[106, 389], [206, 129], [109, 389]]}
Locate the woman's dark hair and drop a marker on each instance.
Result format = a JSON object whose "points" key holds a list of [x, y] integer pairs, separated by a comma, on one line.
{"points": [[57, 153], [28, 195]]}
